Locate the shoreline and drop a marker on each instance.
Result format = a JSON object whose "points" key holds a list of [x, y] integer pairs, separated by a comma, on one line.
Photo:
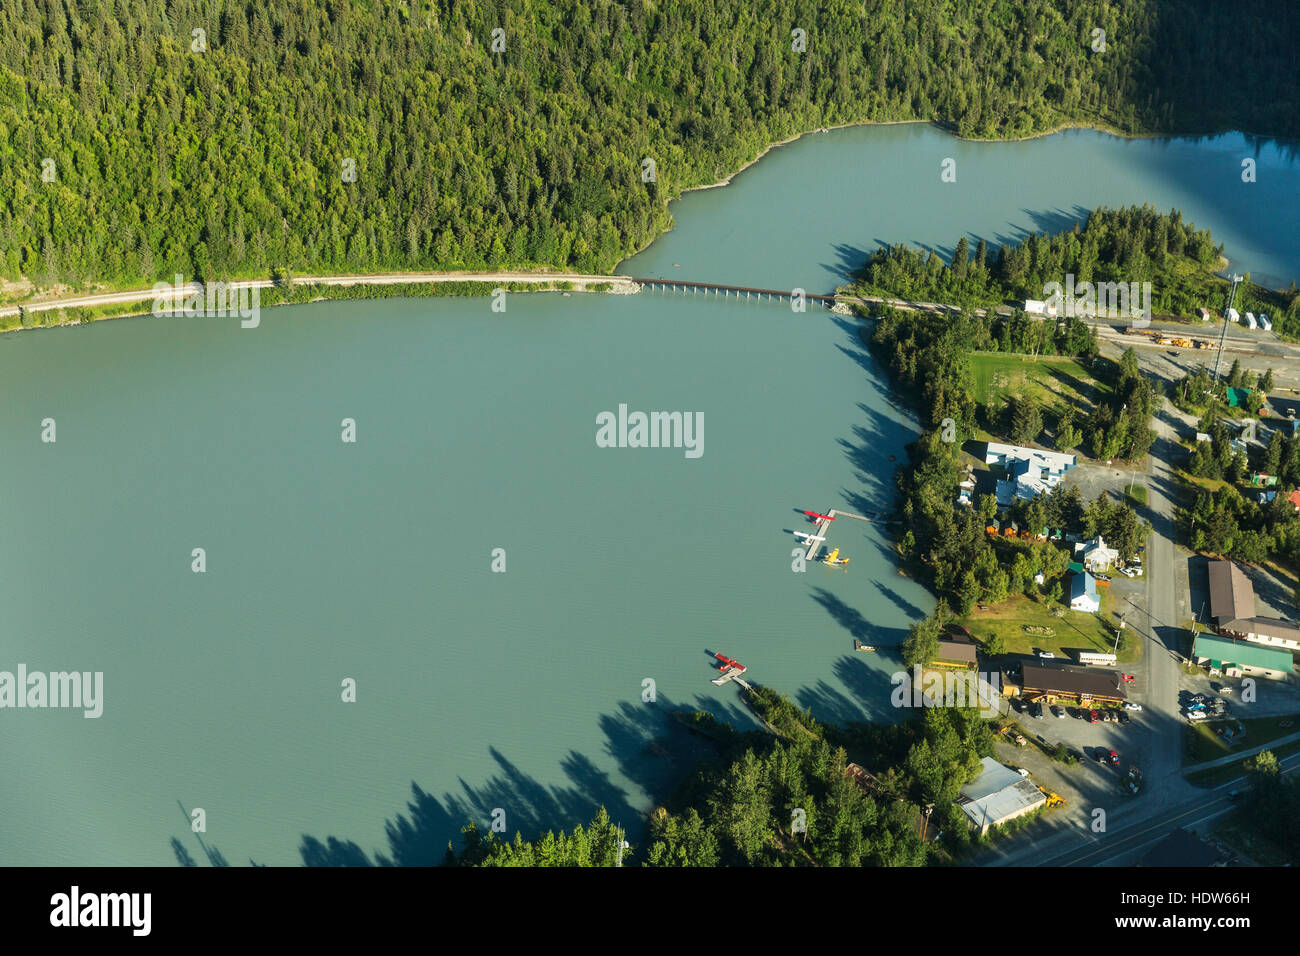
{"points": [[135, 300], [580, 281]]}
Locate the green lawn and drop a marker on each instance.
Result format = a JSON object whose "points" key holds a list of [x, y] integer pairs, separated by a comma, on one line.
{"points": [[1052, 381], [1201, 743], [1075, 631], [1136, 493], [1236, 768]]}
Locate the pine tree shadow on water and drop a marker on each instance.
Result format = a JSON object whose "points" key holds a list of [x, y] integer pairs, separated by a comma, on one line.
{"points": [[651, 751]]}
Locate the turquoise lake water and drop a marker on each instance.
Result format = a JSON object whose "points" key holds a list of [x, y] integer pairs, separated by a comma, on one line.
{"points": [[476, 430]]}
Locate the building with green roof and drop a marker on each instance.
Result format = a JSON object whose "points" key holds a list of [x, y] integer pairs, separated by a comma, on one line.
{"points": [[1240, 658]]}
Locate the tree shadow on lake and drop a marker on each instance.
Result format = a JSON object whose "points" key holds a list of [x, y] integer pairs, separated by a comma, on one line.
{"points": [[651, 751], [849, 263]]}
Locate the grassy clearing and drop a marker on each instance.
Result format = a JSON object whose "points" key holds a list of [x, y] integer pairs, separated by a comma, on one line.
{"points": [[1052, 381], [1074, 632], [1201, 743], [1137, 494], [1236, 768]]}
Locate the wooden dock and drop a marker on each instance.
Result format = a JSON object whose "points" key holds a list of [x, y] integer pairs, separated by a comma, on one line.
{"points": [[731, 674], [823, 526]]}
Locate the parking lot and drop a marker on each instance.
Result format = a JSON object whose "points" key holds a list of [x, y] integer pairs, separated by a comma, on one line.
{"points": [[1272, 697], [1090, 783]]}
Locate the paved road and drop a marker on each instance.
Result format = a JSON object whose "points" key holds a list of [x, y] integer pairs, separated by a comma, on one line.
{"points": [[1125, 845], [1160, 627], [143, 295]]}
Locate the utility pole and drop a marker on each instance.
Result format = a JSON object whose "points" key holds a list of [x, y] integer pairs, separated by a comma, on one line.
{"points": [[1232, 297]]}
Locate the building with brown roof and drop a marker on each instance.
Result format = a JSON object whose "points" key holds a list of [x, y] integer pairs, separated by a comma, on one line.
{"points": [[1232, 605], [1232, 596], [956, 652], [1060, 683]]}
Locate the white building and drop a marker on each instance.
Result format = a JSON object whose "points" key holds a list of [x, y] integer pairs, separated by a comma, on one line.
{"points": [[1083, 593], [1030, 471], [1232, 315], [998, 795], [1038, 307], [966, 491], [1097, 556]]}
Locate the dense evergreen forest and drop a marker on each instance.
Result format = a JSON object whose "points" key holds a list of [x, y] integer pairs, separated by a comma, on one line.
{"points": [[785, 798], [929, 358], [221, 153], [1133, 244]]}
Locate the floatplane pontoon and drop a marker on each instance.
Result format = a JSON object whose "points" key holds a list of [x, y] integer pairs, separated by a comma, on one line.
{"points": [[814, 514], [730, 667], [810, 538], [833, 560]]}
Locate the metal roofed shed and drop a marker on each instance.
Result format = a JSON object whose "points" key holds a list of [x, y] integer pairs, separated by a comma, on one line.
{"points": [[997, 796], [1232, 596], [1234, 658]]}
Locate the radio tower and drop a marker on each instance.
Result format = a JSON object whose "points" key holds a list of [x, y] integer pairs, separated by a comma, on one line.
{"points": [[1232, 296]]}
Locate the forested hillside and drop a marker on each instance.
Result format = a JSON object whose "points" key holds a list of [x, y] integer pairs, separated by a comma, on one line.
{"points": [[225, 158]]}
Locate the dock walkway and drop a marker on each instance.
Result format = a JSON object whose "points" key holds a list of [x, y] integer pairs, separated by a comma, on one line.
{"points": [[823, 526]]}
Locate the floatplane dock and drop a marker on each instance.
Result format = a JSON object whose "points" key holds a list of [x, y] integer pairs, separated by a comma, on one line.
{"points": [[732, 674], [823, 525]]}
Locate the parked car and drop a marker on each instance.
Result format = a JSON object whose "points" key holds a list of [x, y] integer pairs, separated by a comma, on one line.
{"points": [[1022, 771], [1114, 758], [1035, 709], [1092, 716], [1058, 711], [1129, 705], [1197, 715], [1122, 717], [1126, 678], [1131, 572], [1046, 655]]}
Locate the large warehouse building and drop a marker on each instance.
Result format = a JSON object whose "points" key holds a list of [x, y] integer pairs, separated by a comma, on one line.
{"points": [[1232, 605], [1241, 658], [998, 795]]}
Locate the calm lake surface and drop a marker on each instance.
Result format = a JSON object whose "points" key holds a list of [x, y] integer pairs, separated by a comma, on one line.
{"points": [[520, 691]]}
